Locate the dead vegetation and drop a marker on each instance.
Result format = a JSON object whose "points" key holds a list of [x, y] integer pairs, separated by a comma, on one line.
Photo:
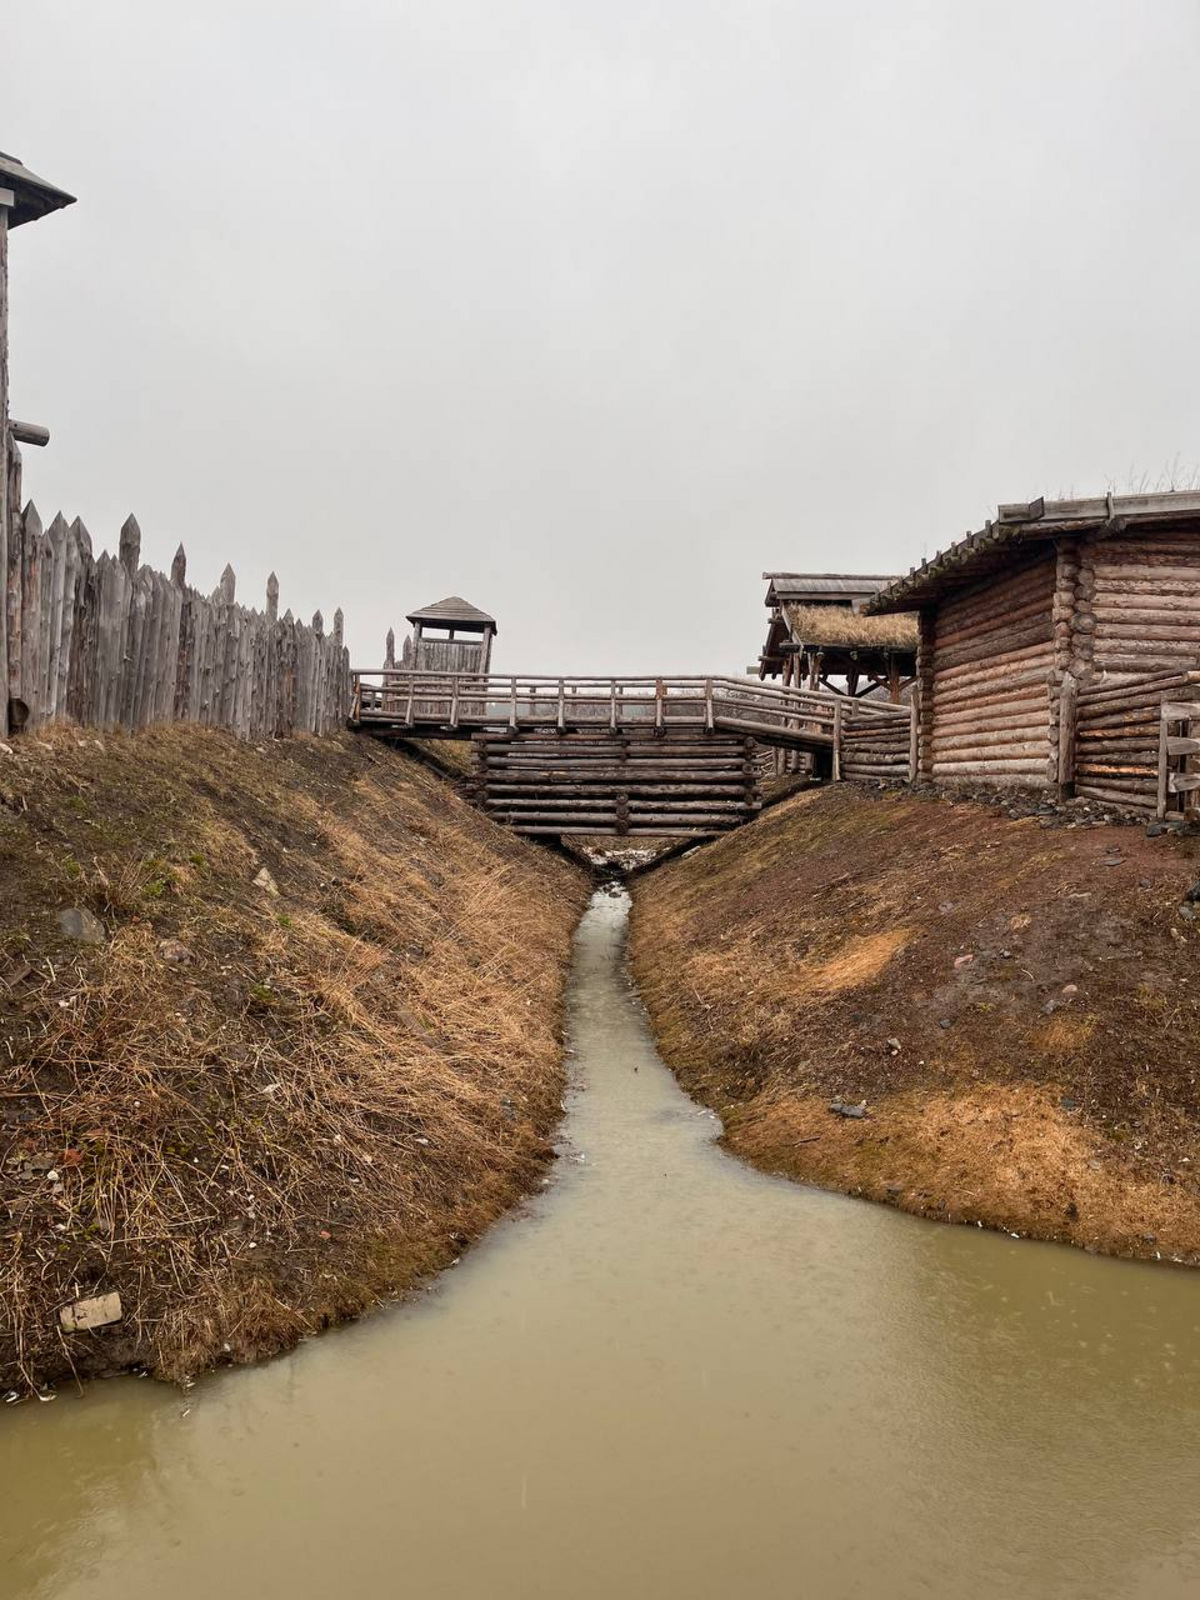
{"points": [[839, 625], [1019, 1006], [268, 1099]]}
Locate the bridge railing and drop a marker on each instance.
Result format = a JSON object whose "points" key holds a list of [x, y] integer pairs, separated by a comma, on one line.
{"points": [[463, 702]]}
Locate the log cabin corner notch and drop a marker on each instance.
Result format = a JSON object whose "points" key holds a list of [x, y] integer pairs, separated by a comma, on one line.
{"points": [[1049, 640]]}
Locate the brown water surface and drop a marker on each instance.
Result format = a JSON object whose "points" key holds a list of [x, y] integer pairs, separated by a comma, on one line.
{"points": [[669, 1377]]}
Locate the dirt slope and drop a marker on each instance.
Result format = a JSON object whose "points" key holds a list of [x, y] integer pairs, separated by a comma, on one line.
{"points": [[257, 1107], [1019, 1006]]}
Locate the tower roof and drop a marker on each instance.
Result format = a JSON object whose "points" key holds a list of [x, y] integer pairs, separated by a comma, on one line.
{"points": [[454, 612], [34, 197]]}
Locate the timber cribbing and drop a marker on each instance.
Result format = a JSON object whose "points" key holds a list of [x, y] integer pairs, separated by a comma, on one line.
{"points": [[630, 756]]}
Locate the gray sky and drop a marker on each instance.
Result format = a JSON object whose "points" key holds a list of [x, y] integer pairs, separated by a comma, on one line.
{"points": [[593, 310]]}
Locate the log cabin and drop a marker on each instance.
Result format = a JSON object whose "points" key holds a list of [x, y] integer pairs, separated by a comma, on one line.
{"points": [[1058, 648], [819, 636]]}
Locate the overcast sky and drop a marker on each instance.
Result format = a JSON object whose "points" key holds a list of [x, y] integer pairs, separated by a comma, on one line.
{"points": [[591, 310]]}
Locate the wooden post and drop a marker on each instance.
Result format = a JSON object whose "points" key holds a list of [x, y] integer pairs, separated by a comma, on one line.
{"points": [[612, 704], [708, 704], [512, 715], [1163, 764], [660, 694], [7, 512], [913, 739], [1068, 708], [562, 706], [837, 742]]}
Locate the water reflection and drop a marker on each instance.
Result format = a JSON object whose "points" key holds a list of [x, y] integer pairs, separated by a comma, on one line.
{"points": [[670, 1376]]}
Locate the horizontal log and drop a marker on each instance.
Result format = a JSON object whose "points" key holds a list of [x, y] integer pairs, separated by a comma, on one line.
{"points": [[993, 669], [1105, 793], [1002, 642]]}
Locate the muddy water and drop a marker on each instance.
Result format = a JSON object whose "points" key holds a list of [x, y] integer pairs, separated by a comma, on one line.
{"points": [[669, 1377]]}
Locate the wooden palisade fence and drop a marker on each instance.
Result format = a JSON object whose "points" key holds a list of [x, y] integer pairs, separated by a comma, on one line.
{"points": [[107, 642]]}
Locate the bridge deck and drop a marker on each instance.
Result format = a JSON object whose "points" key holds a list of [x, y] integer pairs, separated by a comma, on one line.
{"points": [[457, 706]]}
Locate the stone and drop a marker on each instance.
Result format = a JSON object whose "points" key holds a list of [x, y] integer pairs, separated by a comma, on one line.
{"points": [[841, 1108], [963, 961], [99, 1312], [1193, 894], [81, 925], [1155, 830], [264, 880], [175, 951]]}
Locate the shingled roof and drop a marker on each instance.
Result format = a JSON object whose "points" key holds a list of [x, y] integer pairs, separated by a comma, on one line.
{"points": [[1020, 528], [33, 196], [454, 612], [818, 586]]}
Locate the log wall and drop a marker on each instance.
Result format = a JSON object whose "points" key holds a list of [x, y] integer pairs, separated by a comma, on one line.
{"points": [[1118, 734], [985, 679], [875, 750], [108, 642], [673, 783], [1141, 612]]}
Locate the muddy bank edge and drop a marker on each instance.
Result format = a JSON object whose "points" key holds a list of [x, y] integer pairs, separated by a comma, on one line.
{"points": [[280, 1034], [1016, 1001]]}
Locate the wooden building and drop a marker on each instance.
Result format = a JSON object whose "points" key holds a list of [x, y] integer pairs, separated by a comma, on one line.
{"points": [[24, 197], [451, 635], [819, 636], [1059, 647]]}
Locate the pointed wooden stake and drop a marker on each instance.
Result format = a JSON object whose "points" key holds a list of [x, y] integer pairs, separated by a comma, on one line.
{"points": [[179, 568], [272, 598], [131, 545]]}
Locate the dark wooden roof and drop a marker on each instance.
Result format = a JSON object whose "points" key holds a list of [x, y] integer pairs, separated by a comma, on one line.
{"points": [[1021, 529], [34, 196], [454, 612], [818, 586]]}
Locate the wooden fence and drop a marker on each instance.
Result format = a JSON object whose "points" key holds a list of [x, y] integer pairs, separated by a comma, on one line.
{"points": [[107, 642]]}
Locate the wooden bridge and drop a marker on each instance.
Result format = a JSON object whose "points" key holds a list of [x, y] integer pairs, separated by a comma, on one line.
{"points": [[631, 756]]}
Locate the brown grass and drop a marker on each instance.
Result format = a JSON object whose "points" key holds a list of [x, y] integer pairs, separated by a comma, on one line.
{"points": [[348, 1081], [1047, 1084], [839, 625]]}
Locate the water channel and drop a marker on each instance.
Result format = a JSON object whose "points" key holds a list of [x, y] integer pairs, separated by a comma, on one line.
{"points": [[667, 1376]]}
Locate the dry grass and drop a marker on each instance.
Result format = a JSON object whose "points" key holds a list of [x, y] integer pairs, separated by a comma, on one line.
{"points": [[1045, 1083], [838, 625], [346, 1083]]}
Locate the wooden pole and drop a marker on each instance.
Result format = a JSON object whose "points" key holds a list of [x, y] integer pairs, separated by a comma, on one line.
{"points": [[5, 511]]}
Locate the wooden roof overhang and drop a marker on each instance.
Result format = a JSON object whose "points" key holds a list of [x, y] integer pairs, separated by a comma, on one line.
{"points": [[454, 612], [32, 197], [1024, 529]]}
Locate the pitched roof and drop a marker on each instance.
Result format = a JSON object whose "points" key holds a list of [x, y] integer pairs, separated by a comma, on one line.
{"points": [[454, 612], [1024, 527], [34, 196], [834, 585]]}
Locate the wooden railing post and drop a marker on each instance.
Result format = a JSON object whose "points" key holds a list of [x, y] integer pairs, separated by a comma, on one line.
{"points": [[708, 704], [612, 704], [412, 690], [562, 705], [454, 701], [837, 743], [913, 741], [512, 715]]}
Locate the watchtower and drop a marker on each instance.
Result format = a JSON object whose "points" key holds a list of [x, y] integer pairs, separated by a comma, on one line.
{"points": [[450, 636], [24, 197]]}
